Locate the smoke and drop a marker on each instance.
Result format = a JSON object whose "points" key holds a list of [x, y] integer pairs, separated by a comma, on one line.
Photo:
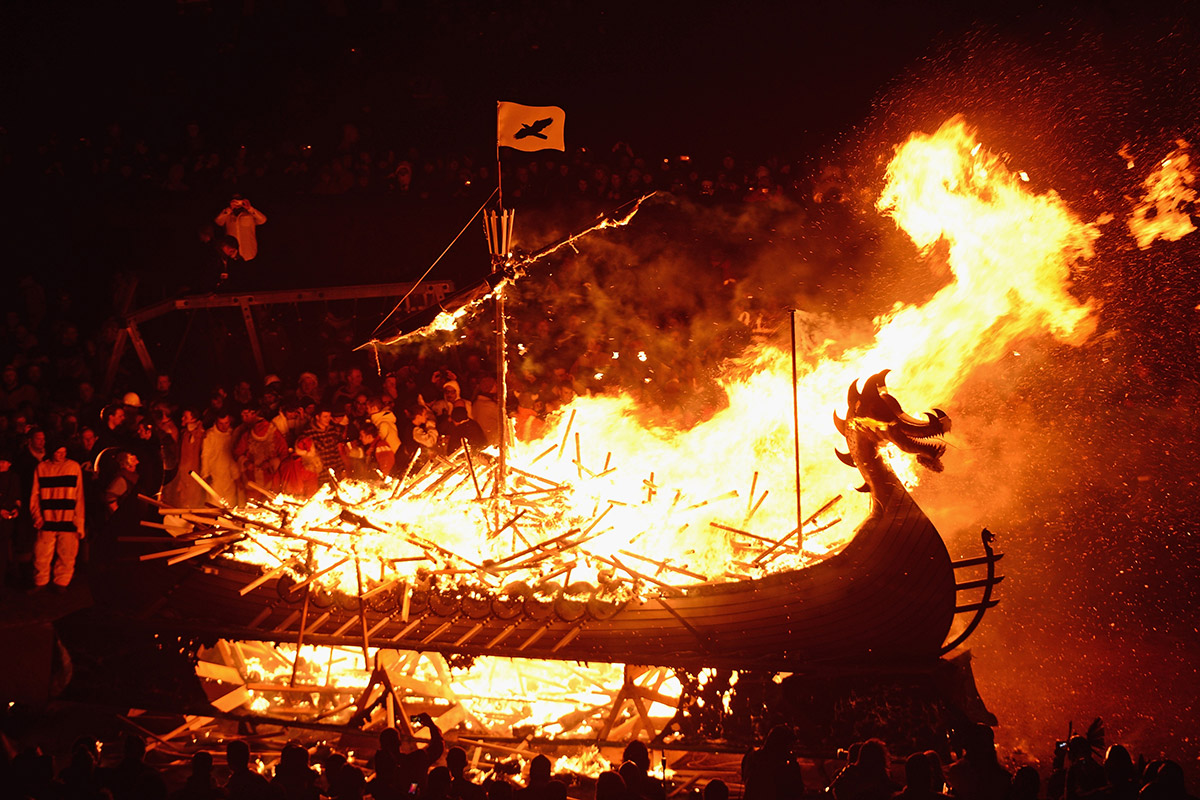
{"points": [[1082, 459], [699, 288]]}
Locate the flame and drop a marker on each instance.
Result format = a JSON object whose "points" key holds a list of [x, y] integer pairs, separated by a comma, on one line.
{"points": [[511, 698], [679, 507], [1169, 194]]}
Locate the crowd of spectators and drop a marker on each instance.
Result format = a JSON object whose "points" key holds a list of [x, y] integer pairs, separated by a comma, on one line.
{"points": [[428, 770], [124, 162]]}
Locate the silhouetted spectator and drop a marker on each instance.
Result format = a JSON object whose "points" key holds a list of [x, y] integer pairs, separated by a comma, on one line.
{"points": [[716, 790], [978, 775], [290, 419], [225, 265], [87, 404], [33, 774], [918, 780], [610, 786], [461, 787], [151, 466], [244, 783], [937, 775], [867, 778], [294, 778], [541, 785], [1026, 784], [638, 780], [346, 782], [84, 447], [80, 779], [1120, 774], [399, 774], [771, 772], [1085, 775], [15, 394], [200, 784], [1166, 783], [437, 784], [486, 410], [132, 778]]}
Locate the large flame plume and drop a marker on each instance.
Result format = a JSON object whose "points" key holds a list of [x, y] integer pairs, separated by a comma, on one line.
{"points": [[707, 498]]}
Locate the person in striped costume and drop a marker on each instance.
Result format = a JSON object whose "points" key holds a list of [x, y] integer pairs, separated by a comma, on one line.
{"points": [[56, 506]]}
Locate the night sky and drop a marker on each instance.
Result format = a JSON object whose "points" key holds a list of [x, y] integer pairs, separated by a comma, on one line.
{"points": [[1098, 505]]}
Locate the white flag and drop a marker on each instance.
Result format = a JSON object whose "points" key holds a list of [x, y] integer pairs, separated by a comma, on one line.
{"points": [[530, 128]]}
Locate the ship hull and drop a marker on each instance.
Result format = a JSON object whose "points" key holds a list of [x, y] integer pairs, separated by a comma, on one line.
{"points": [[887, 597]]}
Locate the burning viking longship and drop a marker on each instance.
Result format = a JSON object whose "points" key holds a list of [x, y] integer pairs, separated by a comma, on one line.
{"points": [[888, 596]]}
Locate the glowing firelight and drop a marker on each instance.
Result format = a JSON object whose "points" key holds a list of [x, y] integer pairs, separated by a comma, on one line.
{"points": [[1170, 192], [671, 501], [1011, 252]]}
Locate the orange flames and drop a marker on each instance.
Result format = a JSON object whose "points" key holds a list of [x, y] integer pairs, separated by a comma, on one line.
{"points": [[1169, 191], [688, 506], [698, 504]]}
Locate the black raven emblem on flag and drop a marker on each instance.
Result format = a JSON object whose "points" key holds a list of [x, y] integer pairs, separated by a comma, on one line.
{"points": [[534, 129]]}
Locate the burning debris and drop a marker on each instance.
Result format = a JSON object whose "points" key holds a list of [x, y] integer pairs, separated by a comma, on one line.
{"points": [[1165, 211], [495, 700], [536, 553]]}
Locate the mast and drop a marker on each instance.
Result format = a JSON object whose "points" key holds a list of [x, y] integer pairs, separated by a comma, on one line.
{"points": [[796, 435], [498, 226]]}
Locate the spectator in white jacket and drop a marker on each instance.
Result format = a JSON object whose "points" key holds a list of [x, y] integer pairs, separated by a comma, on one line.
{"points": [[240, 219]]}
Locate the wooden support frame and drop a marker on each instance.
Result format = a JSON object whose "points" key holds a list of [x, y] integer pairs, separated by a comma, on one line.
{"points": [[417, 296]]}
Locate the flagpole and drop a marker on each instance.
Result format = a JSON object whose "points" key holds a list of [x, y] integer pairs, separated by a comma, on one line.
{"points": [[796, 435], [499, 180], [501, 334]]}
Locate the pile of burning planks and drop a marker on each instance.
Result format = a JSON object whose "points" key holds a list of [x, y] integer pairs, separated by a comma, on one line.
{"points": [[369, 540]]}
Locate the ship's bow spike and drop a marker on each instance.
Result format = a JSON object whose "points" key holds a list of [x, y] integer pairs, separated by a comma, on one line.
{"points": [[877, 383], [845, 458], [839, 423]]}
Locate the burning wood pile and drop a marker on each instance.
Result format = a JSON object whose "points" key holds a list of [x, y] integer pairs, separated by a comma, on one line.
{"points": [[496, 701], [555, 534]]}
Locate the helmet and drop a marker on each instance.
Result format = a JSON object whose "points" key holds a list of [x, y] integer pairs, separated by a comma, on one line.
{"points": [[131, 399]]}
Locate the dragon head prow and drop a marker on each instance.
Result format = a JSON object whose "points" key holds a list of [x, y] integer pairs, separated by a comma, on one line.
{"points": [[874, 417]]}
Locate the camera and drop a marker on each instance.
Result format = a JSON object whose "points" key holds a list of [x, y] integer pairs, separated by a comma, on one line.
{"points": [[415, 718], [1060, 747]]}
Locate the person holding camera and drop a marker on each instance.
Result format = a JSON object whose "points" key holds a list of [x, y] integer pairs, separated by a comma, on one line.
{"points": [[239, 220], [403, 775]]}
